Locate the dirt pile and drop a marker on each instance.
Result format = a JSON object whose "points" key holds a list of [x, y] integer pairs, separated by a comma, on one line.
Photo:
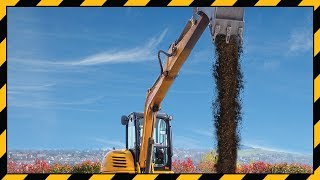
{"points": [[227, 105]]}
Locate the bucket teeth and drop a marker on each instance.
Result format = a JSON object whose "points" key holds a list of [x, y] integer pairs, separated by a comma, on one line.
{"points": [[228, 34], [224, 20], [216, 32], [241, 34]]}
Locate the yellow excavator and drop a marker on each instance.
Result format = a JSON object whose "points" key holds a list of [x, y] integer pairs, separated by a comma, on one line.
{"points": [[148, 134]]}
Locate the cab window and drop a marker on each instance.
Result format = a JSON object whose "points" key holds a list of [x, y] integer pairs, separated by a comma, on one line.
{"points": [[131, 134]]}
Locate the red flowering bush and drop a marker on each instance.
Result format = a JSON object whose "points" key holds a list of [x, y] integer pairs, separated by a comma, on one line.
{"points": [[39, 166], [183, 166], [208, 163], [206, 167], [87, 167], [262, 167], [12, 167], [255, 167], [290, 168], [61, 168]]}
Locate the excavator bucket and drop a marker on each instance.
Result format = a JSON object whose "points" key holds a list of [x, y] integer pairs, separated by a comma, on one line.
{"points": [[224, 20]]}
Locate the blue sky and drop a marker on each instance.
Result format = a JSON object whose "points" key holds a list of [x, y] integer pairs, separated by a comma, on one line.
{"points": [[72, 73]]}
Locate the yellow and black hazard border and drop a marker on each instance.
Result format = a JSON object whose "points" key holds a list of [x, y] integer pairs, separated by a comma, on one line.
{"points": [[4, 4]]}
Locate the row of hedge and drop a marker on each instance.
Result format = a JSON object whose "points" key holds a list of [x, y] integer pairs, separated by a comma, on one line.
{"points": [[40, 166], [178, 166], [187, 166]]}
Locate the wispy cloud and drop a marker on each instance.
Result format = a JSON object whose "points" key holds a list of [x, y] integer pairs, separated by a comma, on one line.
{"points": [[203, 132], [42, 102], [300, 41], [264, 145], [136, 54], [20, 88], [115, 143], [297, 42], [270, 148]]}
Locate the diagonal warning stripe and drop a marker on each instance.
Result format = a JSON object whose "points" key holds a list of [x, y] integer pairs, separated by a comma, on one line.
{"points": [[93, 2], [254, 176], [189, 177], [180, 2], [145, 177], [276, 177], [27, 3], [114, 2], [3, 52], [314, 3], [315, 175], [316, 66], [15, 176], [3, 97], [231, 176], [3, 28], [316, 83], [3, 143], [167, 176], [201, 3], [316, 157], [158, 3], [284, 3], [77, 176], [297, 176], [101, 176], [316, 22], [316, 43], [69, 3], [245, 3], [58, 177], [2, 13], [136, 3], [40, 176], [3, 6], [223, 2], [49, 2], [267, 3], [124, 176], [316, 134]]}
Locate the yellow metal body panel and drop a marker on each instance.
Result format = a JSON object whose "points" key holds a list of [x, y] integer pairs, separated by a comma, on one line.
{"points": [[118, 161]]}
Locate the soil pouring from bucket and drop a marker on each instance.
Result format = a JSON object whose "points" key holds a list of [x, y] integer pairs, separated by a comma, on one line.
{"points": [[227, 106]]}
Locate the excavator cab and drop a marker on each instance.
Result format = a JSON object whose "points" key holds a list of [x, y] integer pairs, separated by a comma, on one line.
{"points": [[127, 160], [162, 151]]}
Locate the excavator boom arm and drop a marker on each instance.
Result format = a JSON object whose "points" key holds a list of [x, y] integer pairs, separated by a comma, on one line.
{"points": [[156, 94]]}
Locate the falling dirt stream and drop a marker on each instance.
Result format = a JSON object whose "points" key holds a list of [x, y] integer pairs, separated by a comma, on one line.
{"points": [[227, 105]]}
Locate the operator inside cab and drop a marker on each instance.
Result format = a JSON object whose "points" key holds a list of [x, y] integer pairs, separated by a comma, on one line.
{"points": [[159, 156], [162, 151]]}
